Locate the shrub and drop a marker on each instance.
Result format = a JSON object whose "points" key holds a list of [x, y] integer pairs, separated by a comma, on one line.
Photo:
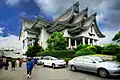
{"points": [[60, 53], [85, 46], [67, 59], [84, 52], [33, 50], [99, 49], [92, 48], [118, 57], [111, 49], [79, 47]]}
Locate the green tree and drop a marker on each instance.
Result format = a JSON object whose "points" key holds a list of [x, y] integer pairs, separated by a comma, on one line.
{"points": [[116, 37], [33, 50], [56, 41]]}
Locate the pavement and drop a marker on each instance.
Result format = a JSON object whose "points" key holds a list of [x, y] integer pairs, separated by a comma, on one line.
{"points": [[47, 73]]}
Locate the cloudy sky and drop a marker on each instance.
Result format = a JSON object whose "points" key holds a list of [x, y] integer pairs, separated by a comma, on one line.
{"points": [[108, 13]]}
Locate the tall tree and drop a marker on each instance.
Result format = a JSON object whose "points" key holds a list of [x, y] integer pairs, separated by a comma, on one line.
{"points": [[33, 50], [116, 37], [56, 41]]}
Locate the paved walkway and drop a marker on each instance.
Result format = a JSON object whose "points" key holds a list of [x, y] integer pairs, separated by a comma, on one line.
{"points": [[46, 73]]}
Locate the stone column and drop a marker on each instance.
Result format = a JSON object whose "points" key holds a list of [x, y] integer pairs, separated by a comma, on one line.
{"points": [[97, 42], [75, 43], [32, 42], [69, 42], [88, 41], [83, 40], [93, 42], [26, 43]]}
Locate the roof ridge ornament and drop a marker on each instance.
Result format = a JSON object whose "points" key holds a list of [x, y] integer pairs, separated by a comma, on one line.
{"points": [[77, 3], [86, 9], [95, 14], [75, 7]]}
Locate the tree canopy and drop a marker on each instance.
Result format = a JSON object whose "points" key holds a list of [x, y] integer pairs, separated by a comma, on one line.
{"points": [[56, 41], [33, 50], [116, 37]]}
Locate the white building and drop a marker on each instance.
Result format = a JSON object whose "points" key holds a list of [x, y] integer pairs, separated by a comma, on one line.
{"points": [[78, 28]]}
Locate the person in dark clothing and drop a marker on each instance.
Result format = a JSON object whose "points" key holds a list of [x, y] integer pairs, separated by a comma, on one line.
{"points": [[6, 64], [35, 61], [20, 63], [29, 66], [1, 63], [13, 62]]}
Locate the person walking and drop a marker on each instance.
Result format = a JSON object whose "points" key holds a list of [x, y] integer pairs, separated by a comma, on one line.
{"points": [[35, 62], [4, 61], [17, 63], [13, 63], [20, 63], [29, 66], [6, 64]]}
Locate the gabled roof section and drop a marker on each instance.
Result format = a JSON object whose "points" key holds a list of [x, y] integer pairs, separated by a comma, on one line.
{"points": [[87, 23], [68, 14], [27, 20], [41, 21], [23, 21], [83, 14]]}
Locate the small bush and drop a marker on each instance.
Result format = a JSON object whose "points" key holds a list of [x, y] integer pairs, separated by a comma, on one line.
{"points": [[67, 59], [118, 57], [84, 52], [85, 46], [33, 50], [99, 49], [92, 48], [79, 47]]}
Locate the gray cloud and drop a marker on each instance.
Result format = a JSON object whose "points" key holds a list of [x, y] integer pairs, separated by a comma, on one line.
{"points": [[108, 11]]}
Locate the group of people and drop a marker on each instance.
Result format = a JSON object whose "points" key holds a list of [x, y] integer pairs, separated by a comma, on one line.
{"points": [[13, 63], [31, 62]]}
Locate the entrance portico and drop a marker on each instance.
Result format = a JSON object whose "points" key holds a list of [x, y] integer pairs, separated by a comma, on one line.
{"points": [[74, 42]]}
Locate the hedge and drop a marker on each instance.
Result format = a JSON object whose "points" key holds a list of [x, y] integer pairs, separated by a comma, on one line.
{"points": [[60, 53], [84, 52]]}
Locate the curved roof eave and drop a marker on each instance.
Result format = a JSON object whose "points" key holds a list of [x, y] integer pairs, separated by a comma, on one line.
{"points": [[98, 30]]}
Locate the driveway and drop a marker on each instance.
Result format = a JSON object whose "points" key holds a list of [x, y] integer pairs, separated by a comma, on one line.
{"points": [[47, 73]]}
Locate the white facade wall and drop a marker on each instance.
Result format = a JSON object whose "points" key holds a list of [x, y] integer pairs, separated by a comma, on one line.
{"points": [[86, 34], [43, 38], [66, 34], [31, 35]]}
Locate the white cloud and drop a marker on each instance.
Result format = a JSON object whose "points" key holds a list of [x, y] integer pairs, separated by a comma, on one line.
{"points": [[109, 34], [1, 30], [22, 14], [13, 2], [10, 41]]}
